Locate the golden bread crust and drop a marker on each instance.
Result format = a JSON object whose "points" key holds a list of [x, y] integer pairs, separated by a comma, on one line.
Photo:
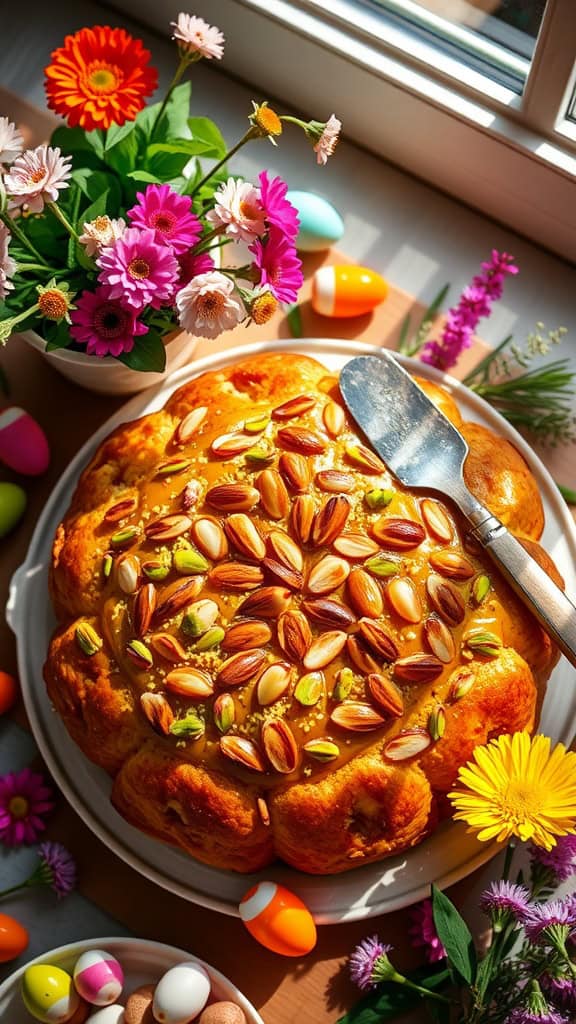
{"points": [[142, 697]]}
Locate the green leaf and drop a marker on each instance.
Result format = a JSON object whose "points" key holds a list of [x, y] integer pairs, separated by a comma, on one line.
{"points": [[116, 133], [294, 318], [204, 130], [167, 165], [75, 198], [96, 209], [56, 335], [75, 140], [143, 176], [189, 147], [148, 354], [174, 120], [123, 156], [390, 1000], [455, 936]]}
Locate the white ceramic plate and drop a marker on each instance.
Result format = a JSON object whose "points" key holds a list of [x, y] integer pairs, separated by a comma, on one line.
{"points": [[446, 857], [143, 963]]}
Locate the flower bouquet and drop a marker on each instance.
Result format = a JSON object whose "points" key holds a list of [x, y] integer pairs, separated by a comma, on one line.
{"points": [[108, 234]]}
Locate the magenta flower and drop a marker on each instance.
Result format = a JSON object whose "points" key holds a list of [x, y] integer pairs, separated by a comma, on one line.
{"points": [[560, 861], [57, 868], [556, 917], [522, 1015], [279, 266], [169, 214], [192, 264], [138, 270], [369, 963], [422, 931], [24, 800], [278, 211], [502, 898], [560, 991], [103, 324]]}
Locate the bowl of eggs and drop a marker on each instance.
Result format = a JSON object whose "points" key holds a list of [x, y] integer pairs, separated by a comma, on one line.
{"points": [[122, 981]]}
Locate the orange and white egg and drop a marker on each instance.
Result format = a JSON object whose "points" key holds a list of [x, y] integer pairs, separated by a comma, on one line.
{"points": [[347, 290], [278, 919]]}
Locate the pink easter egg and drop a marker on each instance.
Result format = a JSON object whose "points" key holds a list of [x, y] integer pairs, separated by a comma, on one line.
{"points": [[23, 444], [98, 977]]}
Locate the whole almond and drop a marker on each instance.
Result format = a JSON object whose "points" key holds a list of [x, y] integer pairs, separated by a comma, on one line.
{"points": [[361, 656], [407, 744], [294, 407], [284, 549], [280, 573], [334, 418], [294, 634], [365, 594], [439, 639], [176, 596], [273, 493], [266, 603], [437, 520], [452, 564], [280, 746], [403, 599], [302, 517], [301, 441], [356, 717], [189, 682], [264, 813], [273, 683], [239, 668], [168, 527], [209, 537], [418, 668], [378, 640], [328, 574], [128, 573], [296, 471], [243, 752], [361, 456], [243, 534], [399, 534], [356, 546], [190, 424], [329, 613], [385, 695], [245, 636], [233, 497], [335, 481], [330, 520], [144, 607], [158, 712], [120, 510], [236, 576], [229, 445], [168, 647], [324, 649], [446, 600]]}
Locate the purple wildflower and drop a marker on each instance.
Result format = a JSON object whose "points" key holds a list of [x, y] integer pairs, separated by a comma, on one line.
{"points": [[474, 303], [522, 1015], [560, 861], [505, 898], [556, 914], [369, 963], [57, 868], [560, 991], [422, 931]]}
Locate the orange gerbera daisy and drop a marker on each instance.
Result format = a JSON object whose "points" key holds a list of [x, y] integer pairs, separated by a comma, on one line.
{"points": [[99, 78]]}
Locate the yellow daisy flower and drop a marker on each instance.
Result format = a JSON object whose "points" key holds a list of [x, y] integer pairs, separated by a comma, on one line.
{"points": [[518, 786]]}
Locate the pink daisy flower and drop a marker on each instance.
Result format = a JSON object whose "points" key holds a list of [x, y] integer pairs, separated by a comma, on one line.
{"points": [[138, 270], [24, 800], [37, 177], [207, 305], [196, 38], [328, 140], [102, 323], [169, 214], [7, 264], [277, 209], [11, 141], [422, 931], [192, 264], [238, 211], [279, 266]]}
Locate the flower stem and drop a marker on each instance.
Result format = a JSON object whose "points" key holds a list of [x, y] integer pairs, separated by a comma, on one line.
{"points": [[250, 134], [14, 888], [426, 992], [19, 234], [63, 220], [184, 62]]}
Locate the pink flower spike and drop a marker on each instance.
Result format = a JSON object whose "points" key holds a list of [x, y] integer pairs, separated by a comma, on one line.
{"points": [[422, 931], [238, 211], [138, 270], [24, 800], [192, 264], [328, 140], [170, 216], [103, 324], [278, 211], [37, 177], [279, 266], [207, 305], [196, 38]]}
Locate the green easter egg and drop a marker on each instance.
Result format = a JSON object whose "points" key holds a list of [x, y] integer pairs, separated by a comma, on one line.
{"points": [[49, 994], [12, 505], [320, 224]]}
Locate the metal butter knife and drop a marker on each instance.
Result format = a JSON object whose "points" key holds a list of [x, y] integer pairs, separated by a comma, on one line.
{"points": [[423, 450]]}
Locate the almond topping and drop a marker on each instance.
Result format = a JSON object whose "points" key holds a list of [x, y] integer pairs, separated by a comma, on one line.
{"points": [[284, 550], [334, 418], [439, 639], [436, 519], [209, 537], [360, 656], [236, 576], [399, 534], [302, 517], [330, 520], [403, 599], [263, 811], [241, 667], [273, 683], [365, 594], [243, 752], [356, 546], [120, 510], [294, 407], [446, 600], [280, 573], [385, 694], [378, 639], [407, 744], [335, 481], [328, 574], [244, 636], [189, 682], [296, 471], [329, 613], [452, 564], [273, 493], [128, 573], [168, 527], [356, 717], [190, 424], [176, 596], [294, 634], [266, 603], [280, 746], [418, 668], [324, 649], [301, 441], [158, 712], [242, 533], [363, 457], [144, 606], [233, 497], [231, 444], [168, 647]]}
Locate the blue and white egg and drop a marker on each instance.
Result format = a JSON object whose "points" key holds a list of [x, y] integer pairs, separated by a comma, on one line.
{"points": [[320, 224]]}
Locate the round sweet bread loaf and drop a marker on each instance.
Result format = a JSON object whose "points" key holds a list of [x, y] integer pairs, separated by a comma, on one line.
{"points": [[275, 649]]}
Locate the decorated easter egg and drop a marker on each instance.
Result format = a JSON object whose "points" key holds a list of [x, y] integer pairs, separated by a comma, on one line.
{"points": [[181, 994], [138, 1009], [13, 938], [278, 919], [98, 977], [223, 1013], [8, 692], [12, 506], [49, 994], [343, 291], [23, 444], [108, 1015], [320, 224]]}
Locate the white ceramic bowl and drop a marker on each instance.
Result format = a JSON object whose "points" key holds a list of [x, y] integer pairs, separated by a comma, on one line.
{"points": [[143, 963]]}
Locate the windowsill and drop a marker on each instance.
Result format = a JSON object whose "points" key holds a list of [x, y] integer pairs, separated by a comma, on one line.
{"points": [[414, 235]]}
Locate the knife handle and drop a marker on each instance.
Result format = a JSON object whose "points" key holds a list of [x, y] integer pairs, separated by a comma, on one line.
{"points": [[548, 603]]}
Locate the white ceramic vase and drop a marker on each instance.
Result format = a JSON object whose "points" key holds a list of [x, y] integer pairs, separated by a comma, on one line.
{"points": [[109, 376]]}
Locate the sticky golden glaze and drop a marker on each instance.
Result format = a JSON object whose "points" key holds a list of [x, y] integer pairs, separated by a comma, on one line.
{"points": [[187, 790]]}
